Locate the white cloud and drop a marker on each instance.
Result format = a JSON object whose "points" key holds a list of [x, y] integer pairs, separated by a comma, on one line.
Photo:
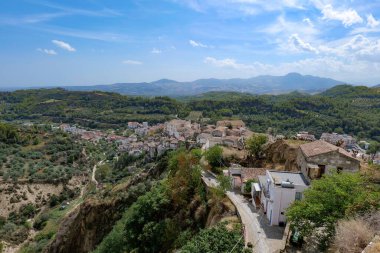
{"points": [[226, 63], [308, 21], [364, 48], [197, 44], [63, 45], [284, 27], [299, 44], [156, 51], [327, 66], [356, 48], [231, 63], [132, 62], [372, 22], [47, 51], [347, 17]]}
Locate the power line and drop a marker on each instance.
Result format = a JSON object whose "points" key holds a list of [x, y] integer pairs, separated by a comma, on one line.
{"points": [[236, 244]]}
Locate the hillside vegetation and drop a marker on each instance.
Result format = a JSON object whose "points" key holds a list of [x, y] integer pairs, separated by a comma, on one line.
{"points": [[344, 109], [92, 109]]}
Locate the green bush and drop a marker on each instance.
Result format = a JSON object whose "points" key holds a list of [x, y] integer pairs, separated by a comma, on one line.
{"points": [[40, 221], [214, 157], [329, 199], [216, 239]]}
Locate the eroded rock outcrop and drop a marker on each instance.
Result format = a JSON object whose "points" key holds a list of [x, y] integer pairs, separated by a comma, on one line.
{"points": [[283, 152], [84, 228]]}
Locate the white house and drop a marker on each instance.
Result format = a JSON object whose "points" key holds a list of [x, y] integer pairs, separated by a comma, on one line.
{"points": [[276, 191]]}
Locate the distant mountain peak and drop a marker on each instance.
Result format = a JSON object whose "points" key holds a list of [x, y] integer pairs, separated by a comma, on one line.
{"points": [[163, 81], [294, 74]]}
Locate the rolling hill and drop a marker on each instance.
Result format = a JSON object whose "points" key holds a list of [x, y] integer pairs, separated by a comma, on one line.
{"points": [[256, 85], [345, 109]]}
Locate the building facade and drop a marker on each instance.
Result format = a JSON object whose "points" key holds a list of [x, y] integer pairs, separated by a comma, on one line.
{"points": [[276, 192], [319, 157]]}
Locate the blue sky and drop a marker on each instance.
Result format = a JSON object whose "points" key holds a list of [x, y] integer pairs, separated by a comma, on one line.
{"points": [[71, 42]]}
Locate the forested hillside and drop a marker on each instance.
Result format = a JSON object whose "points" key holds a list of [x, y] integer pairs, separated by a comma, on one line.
{"points": [[93, 109], [342, 109], [350, 109]]}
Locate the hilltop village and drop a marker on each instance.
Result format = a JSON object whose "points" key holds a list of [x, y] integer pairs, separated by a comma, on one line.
{"points": [[157, 139], [258, 193], [68, 178]]}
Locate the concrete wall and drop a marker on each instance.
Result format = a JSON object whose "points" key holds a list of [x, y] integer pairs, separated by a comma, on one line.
{"points": [[280, 199]]}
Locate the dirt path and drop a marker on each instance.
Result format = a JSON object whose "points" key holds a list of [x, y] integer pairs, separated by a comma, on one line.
{"points": [[93, 179]]}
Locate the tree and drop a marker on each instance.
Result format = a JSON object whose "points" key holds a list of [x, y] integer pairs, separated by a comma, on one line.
{"points": [[103, 171], [255, 145], [248, 185], [224, 184], [28, 210], [54, 200], [373, 147], [329, 199], [145, 221], [214, 156], [216, 239]]}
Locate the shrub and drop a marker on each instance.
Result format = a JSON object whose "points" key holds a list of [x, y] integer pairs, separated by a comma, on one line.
{"points": [[329, 199], [353, 235], [216, 239], [54, 200], [248, 185], [28, 210], [41, 221], [3, 220], [214, 157]]}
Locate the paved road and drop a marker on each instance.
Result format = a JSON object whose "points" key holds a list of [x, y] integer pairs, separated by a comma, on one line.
{"points": [[264, 238], [253, 232]]}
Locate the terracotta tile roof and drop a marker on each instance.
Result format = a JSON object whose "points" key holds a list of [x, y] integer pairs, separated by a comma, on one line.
{"points": [[233, 123], [321, 147], [251, 173]]}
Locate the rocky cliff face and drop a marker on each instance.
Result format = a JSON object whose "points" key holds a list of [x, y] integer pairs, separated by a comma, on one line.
{"points": [[283, 153], [85, 227]]}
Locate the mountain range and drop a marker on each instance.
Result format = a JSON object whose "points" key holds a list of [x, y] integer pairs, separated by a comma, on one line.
{"points": [[265, 84]]}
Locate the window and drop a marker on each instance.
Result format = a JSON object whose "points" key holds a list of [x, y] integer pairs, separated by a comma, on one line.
{"points": [[298, 195]]}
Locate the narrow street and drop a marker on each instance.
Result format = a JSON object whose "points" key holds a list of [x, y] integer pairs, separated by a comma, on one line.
{"points": [[264, 238], [253, 232], [258, 233]]}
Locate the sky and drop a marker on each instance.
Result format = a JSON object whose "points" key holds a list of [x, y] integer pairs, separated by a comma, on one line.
{"points": [[88, 42]]}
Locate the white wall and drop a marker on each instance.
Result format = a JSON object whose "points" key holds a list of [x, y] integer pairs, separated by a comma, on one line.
{"points": [[280, 200]]}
